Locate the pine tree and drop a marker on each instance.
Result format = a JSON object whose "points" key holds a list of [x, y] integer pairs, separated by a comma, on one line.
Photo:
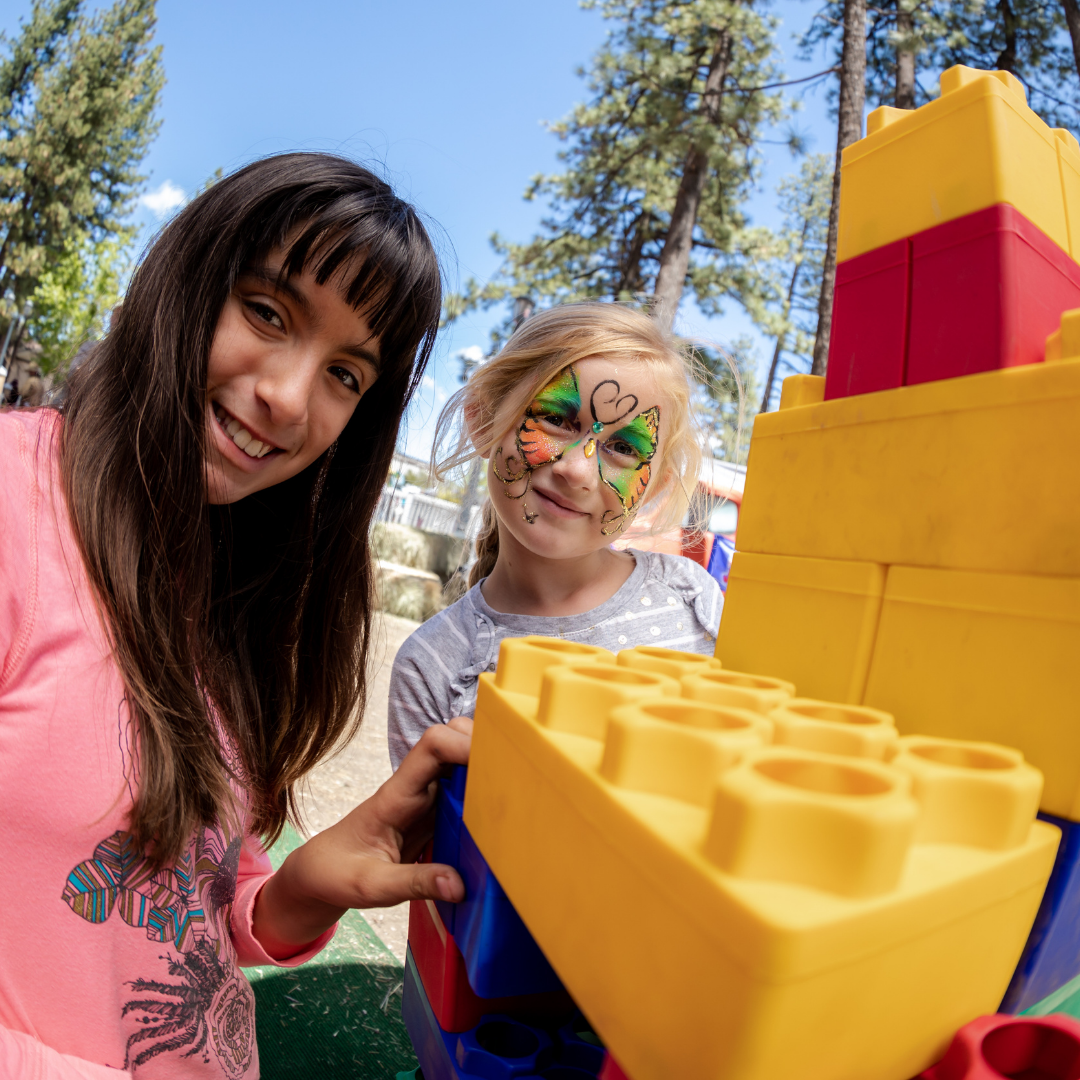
{"points": [[910, 42], [78, 97], [804, 200], [657, 166], [74, 297], [851, 96]]}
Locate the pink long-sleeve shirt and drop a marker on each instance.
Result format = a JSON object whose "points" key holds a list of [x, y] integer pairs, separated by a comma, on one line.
{"points": [[107, 969]]}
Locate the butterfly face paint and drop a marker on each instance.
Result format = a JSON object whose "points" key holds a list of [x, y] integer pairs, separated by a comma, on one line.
{"points": [[625, 462], [552, 426]]}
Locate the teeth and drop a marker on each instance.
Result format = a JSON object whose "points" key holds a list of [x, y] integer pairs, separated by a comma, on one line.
{"points": [[242, 437]]}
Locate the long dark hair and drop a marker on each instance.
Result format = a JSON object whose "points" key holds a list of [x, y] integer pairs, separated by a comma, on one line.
{"points": [[241, 631]]}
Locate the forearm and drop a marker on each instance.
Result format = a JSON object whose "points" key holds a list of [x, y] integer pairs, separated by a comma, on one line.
{"points": [[286, 919]]}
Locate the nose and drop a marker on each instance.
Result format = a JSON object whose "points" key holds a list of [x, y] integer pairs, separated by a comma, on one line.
{"points": [[284, 388], [577, 466]]}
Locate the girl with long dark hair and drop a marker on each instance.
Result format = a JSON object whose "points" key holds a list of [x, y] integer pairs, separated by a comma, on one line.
{"points": [[186, 599]]}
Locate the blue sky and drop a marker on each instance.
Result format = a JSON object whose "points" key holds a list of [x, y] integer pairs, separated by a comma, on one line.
{"points": [[446, 99]]}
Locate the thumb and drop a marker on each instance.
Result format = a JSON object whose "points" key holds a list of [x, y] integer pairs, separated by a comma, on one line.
{"points": [[386, 884]]}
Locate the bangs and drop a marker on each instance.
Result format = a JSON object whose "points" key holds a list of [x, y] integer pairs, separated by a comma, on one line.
{"points": [[370, 243]]}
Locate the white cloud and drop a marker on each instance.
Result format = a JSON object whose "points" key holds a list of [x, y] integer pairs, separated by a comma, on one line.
{"points": [[167, 197]]}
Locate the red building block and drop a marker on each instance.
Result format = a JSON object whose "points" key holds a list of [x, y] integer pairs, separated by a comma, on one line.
{"points": [[1025, 1047], [446, 982], [868, 341], [986, 291], [610, 1069], [975, 294]]}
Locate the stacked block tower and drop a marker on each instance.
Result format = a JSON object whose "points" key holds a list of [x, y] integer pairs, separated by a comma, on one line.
{"points": [[917, 548], [827, 869]]}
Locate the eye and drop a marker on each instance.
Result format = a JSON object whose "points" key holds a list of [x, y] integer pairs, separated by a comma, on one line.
{"points": [[265, 313], [346, 378], [620, 448]]}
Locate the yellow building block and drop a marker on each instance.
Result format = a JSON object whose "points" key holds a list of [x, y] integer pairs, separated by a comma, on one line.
{"points": [[807, 931], [738, 690], [1064, 342], [811, 621], [797, 390], [987, 657], [1069, 164], [975, 146], [835, 729], [671, 662], [976, 473], [970, 793]]}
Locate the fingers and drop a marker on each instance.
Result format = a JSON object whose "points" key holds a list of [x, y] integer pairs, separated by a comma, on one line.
{"points": [[441, 745], [405, 799], [386, 884], [461, 723]]}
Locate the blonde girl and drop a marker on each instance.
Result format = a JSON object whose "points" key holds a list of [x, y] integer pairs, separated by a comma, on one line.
{"points": [[584, 421]]}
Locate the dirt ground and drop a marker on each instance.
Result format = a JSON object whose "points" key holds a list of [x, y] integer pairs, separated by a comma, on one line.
{"points": [[353, 774]]}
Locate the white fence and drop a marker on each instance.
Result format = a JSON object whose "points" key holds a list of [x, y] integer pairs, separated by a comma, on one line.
{"points": [[410, 507]]}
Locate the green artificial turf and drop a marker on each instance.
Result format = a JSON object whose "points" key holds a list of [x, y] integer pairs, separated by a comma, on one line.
{"points": [[337, 1016], [1064, 1000]]}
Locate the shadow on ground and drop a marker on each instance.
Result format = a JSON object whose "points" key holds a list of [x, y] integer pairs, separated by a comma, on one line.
{"points": [[332, 1020], [337, 1016]]}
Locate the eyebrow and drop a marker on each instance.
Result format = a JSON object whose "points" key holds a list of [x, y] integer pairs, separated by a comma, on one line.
{"points": [[268, 277]]}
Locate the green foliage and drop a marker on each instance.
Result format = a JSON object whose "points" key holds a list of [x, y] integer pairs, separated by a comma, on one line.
{"points": [[804, 200], [78, 97], [624, 152], [74, 296], [1027, 37]]}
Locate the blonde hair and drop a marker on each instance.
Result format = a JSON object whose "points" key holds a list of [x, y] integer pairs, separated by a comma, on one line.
{"points": [[477, 418]]}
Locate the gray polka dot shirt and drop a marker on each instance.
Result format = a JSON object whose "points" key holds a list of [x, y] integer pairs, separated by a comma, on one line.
{"points": [[668, 600]]}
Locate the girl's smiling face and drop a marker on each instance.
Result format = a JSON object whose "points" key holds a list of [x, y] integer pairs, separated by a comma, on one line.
{"points": [[571, 474], [289, 361]]}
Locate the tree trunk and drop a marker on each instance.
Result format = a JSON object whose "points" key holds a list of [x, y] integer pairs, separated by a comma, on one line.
{"points": [[675, 257], [905, 58], [630, 272], [782, 337], [1006, 60], [848, 130], [1072, 18]]}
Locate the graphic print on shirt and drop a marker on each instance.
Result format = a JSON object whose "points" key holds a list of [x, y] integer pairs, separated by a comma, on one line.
{"points": [[203, 1006]]}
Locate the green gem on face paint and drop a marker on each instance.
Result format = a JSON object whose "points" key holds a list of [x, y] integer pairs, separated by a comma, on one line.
{"points": [[598, 427]]}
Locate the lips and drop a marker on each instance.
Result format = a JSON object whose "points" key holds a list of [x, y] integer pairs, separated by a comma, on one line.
{"points": [[560, 507]]}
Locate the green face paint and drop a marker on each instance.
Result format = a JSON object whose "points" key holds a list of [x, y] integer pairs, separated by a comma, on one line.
{"points": [[548, 430], [625, 463]]}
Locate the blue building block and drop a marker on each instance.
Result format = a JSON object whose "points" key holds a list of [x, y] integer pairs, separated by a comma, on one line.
{"points": [[498, 1048], [1051, 957], [448, 825], [501, 957]]}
